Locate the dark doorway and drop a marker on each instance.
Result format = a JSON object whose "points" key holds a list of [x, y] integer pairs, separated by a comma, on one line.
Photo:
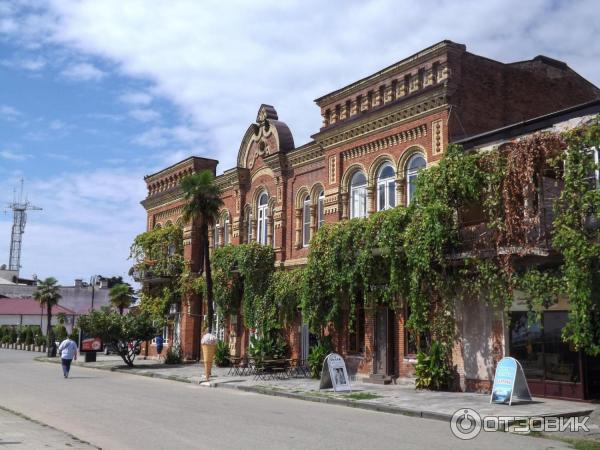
{"points": [[382, 363]]}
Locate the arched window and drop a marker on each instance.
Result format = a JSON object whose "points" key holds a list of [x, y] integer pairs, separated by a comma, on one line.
{"points": [[226, 230], [306, 221], [413, 166], [386, 187], [320, 210], [358, 195], [263, 206]]}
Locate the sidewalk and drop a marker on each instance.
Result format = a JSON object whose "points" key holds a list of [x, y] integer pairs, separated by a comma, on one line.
{"points": [[397, 399], [20, 432]]}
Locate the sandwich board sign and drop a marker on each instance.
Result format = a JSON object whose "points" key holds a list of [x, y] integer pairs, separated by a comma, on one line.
{"points": [[334, 374], [509, 382]]}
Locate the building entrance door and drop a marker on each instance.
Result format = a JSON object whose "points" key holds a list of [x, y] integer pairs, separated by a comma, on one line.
{"points": [[381, 364]]}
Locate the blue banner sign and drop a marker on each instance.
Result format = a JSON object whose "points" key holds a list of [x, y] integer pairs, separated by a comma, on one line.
{"points": [[509, 382]]}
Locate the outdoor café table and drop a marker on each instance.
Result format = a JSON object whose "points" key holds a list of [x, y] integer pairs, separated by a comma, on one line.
{"points": [[234, 365]]}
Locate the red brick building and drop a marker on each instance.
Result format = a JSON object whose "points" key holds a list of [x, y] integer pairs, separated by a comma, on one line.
{"points": [[377, 133]]}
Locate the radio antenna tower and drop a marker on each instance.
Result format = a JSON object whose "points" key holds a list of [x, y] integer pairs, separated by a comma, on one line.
{"points": [[19, 206]]}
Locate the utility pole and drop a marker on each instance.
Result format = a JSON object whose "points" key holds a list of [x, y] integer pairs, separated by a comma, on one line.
{"points": [[19, 206]]}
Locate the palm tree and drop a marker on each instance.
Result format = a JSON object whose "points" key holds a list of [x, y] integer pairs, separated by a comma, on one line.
{"points": [[121, 296], [48, 295], [204, 202]]}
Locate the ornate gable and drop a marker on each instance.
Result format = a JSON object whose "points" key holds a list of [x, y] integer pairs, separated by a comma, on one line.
{"points": [[264, 138]]}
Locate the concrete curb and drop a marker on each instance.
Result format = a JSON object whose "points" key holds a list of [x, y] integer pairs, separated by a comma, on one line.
{"points": [[297, 396]]}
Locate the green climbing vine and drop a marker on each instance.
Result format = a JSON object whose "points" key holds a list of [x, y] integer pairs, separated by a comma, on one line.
{"points": [[241, 278]]}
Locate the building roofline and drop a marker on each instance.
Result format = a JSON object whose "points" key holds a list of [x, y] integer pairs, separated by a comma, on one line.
{"points": [[188, 159], [530, 125], [405, 61]]}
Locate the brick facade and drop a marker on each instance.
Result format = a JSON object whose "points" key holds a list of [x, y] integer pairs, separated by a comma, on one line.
{"points": [[416, 106]]}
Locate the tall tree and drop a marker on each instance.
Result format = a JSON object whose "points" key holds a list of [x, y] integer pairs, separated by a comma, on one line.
{"points": [[121, 296], [48, 295], [203, 205]]}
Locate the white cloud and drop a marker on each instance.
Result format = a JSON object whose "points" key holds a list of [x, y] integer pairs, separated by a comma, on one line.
{"points": [[136, 98], [162, 136], [144, 115], [14, 155], [219, 71], [56, 125], [9, 113], [31, 64], [87, 224], [83, 72]]}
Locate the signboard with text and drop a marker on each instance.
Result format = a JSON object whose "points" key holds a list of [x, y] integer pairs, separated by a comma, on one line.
{"points": [[509, 382], [334, 374], [92, 344]]}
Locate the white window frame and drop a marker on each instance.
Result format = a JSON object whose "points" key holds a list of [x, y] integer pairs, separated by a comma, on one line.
{"points": [[262, 219], [358, 195], [306, 221], [386, 183], [321, 209], [412, 174], [216, 232]]}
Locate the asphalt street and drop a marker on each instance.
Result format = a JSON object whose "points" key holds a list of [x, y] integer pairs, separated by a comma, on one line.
{"points": [[121, 411]]}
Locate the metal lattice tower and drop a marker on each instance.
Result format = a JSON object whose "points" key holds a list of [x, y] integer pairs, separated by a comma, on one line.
{"points": [[19, 206]]}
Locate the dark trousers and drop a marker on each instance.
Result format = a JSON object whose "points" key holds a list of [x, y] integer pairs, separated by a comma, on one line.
{"points": [[66, 366]]}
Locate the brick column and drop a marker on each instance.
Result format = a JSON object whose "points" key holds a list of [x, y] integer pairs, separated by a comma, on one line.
{"points": [[370, 200], [298, 229], [344, 200], [191, 310]]}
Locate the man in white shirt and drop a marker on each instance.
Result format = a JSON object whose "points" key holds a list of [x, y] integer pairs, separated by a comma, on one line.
{"points": [[68, 352]]}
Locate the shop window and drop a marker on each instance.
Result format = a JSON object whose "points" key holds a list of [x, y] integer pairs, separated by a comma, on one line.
{"points": [[356, 342], [540, 349]]}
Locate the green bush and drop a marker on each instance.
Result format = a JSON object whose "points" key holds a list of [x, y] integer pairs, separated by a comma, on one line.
{"points": [[74, 334], [60, 332], [6, 339], [40, 340], [432, 370], [173, 355], [13, 335], [268, 347], [28, 337], [222, 354], [316, 357]]}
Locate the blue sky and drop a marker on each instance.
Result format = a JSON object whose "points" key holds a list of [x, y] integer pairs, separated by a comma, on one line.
{"points": [[96, 94]]}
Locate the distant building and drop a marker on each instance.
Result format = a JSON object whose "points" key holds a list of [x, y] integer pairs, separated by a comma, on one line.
{"points": [[79, 298], [27, 311]]}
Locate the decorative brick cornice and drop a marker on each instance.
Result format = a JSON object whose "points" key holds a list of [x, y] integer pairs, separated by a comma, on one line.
{"points": [[305, 155], [379, 144], [380, 122], [163, 198]]}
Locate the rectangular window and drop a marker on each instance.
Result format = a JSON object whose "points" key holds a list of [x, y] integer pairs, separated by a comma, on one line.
{"points": [[356, 342], [391, 187], [414, 342], [381, 197]]}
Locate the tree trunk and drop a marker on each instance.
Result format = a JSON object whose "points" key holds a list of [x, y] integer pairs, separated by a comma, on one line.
{"points": [[49, 336], [208, 275], [121, 309]]}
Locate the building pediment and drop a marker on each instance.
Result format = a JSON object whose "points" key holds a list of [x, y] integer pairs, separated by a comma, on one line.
{"points": [[266, 137]]}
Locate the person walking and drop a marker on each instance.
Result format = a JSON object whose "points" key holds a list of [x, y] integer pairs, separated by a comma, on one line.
{"points": [[68, 352]]}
